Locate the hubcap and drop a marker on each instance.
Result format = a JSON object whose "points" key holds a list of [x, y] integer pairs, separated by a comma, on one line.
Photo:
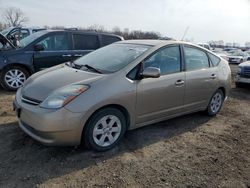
{"points": [[216, 102], [15, 78], [107, 130]]}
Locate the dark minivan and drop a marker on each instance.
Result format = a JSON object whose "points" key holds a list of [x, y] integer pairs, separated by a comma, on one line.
{"points": [[45, 49]]}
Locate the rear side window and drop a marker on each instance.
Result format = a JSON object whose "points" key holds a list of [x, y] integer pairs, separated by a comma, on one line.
{"points": [[195, 59], [215, 60], [85, 42], [106, 39]]}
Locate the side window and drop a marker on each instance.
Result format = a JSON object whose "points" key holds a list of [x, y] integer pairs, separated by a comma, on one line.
{"points": [[215, 60], [55, 42], [195, 59], [106, 39], [85, 42], [168, 60], [24, 33]]}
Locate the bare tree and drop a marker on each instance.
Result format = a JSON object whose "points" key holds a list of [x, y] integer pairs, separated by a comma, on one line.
{"points": [[14, 17]]}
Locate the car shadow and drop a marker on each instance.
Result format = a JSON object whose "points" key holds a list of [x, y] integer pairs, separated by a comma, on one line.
{"points": [[33, 163]]}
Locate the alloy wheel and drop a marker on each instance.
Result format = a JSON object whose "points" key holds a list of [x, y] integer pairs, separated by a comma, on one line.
{"points": [[107, 130], [15, 78], [216, 102]]}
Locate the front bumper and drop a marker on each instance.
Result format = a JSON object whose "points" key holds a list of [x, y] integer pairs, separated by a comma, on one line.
{"points": [[240, 79], [50, 127]]}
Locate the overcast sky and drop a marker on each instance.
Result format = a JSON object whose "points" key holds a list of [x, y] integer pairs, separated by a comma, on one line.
{"points": [[228, 20]]}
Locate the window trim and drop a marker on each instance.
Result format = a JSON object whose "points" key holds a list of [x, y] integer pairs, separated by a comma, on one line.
{"points": [[212, 61], [195, 47]]}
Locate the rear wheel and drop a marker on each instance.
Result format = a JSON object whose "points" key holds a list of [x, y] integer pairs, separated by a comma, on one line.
{"points": [[105, 129], [13, 77], [215, 103]]}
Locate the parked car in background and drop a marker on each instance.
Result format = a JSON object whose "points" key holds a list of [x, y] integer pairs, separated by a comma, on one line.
{"points": [[237, 56], [45, 49], [123, 86], [243, 74], [15, 34], [205, 45], [229, 49], [222, 54], [248, 54]]}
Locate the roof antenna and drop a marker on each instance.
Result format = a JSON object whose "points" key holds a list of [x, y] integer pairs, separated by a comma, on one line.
{"points": [[186, 30]]}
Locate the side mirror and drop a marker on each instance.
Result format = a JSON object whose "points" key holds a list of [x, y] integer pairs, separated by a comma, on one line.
{"points": [[151, 72], [38, 47]]}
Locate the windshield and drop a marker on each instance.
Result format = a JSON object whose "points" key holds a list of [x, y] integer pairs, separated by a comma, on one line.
{"points": [[6, 31], [238, 53], [113, 57], [27, 40]]}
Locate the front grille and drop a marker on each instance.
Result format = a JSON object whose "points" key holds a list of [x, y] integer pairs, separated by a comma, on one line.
{"points": [[29, 100], [246, 71]]}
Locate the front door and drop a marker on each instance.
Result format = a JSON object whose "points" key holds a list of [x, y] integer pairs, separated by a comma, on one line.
{"points": [[57, 50], [161, 97]]}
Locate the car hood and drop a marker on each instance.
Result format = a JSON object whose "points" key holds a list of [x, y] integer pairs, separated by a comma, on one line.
{"points": [[41, 84], [247, 63], [4, 40]]}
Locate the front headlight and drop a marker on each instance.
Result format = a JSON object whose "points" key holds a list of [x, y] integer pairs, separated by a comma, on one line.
{"points": [[63, 96]]}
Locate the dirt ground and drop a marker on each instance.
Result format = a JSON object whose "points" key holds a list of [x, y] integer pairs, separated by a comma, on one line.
{"points": [[189, 151]]}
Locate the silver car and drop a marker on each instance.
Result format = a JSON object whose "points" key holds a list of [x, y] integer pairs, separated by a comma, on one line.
{"points": [[120, 87]]}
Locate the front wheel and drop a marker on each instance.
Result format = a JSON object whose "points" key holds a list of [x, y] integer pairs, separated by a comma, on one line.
{"points": [[215, 103], [13, 77], [105, 129]]}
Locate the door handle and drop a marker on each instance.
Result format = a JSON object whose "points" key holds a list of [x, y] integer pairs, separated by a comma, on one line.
{"points": [[66, 55], [78, 55], [213, 76], [179, 82]]}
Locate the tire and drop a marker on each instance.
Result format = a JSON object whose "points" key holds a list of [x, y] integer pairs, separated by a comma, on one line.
{"points": [[19, 74], [215, 103], [99, 130]]}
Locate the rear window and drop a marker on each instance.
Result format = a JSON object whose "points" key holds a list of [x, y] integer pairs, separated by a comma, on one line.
{"points": [[85, 42], [215, 60], [106, 39]]}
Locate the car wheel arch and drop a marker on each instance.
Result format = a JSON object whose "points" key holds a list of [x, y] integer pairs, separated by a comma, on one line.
{"points": [[19, 65], [223, 91], [121, 108]]}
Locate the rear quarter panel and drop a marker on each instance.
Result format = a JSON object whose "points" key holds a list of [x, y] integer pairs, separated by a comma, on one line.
{"points": [[224, 75]]}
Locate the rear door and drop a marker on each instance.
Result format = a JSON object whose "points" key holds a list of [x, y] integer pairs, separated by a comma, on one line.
{"points": [[57, 50], [83, 43], [201, 78]]}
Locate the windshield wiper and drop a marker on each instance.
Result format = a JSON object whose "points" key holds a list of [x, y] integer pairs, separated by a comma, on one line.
{"points": [[73, 65], [92, 68], [77, 66]]}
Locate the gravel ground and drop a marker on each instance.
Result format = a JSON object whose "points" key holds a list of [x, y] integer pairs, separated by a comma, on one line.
{"points": [[189, 151]]}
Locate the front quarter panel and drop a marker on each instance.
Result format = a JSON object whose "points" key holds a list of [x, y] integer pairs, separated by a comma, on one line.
{"points": [[110, 90], [18, 57]]}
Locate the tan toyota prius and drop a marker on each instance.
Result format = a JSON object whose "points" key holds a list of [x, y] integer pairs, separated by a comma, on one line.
{"points": [[123, 86]]}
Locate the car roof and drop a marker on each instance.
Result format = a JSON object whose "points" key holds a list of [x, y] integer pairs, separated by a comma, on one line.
{"points": [[152, 42], [81, 31]]}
